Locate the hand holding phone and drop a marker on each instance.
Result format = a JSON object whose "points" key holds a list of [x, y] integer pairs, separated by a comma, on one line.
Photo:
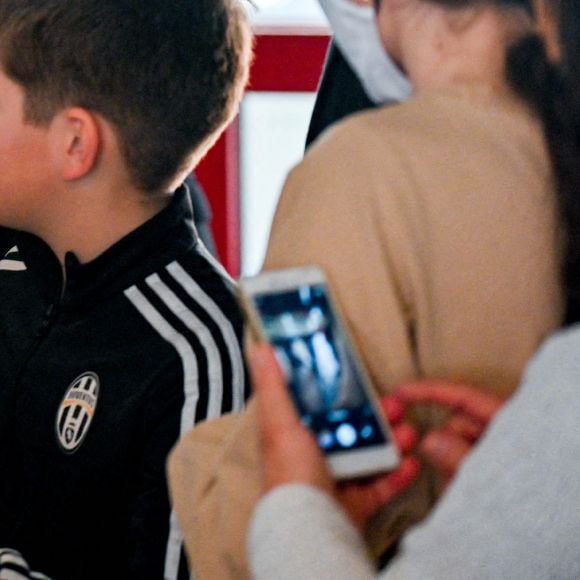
{"points": [[289, 454], [293, 310]]}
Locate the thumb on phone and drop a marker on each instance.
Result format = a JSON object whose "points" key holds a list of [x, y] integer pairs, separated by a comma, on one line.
{"points": [[289, 451]]}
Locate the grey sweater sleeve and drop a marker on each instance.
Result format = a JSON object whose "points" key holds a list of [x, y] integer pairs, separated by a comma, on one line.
{"points": [[513, 511], [298, 532]]}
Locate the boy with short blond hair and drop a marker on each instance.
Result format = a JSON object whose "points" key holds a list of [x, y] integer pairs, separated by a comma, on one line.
{"points": [[118, 332]]}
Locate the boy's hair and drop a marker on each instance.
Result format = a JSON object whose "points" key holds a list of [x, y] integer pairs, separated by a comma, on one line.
{"points": [[165, 73]]}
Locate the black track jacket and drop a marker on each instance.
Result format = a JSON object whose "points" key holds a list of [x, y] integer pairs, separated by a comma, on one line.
{"points": [[98, 379]]}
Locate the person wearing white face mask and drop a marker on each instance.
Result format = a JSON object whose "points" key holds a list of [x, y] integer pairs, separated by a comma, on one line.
{"points": [[358, 73], [356, 34]]}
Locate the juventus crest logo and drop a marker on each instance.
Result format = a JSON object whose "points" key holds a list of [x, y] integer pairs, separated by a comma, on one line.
{"points": [[76, 411]]}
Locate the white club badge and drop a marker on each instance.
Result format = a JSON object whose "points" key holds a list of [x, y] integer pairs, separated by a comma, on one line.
{"points": [[76, 411]]}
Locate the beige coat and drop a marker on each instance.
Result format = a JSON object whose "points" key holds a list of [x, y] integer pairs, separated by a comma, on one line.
{"points": [[435, 223]]}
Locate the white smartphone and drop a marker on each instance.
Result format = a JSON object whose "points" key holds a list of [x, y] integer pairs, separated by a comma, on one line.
{"points": [[293, 310]]}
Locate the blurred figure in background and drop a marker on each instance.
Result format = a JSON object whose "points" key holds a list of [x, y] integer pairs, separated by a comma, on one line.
{"points": [[201, 213], [358, 73]]}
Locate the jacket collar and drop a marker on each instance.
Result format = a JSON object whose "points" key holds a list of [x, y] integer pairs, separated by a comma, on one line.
{"points": [[139, 253]]}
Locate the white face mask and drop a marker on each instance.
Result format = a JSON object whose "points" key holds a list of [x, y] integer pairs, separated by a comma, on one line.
{"points": [[357, 36]]}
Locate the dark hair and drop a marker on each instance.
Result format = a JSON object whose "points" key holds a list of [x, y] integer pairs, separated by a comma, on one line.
{"points": [[553, 91], [165, 73]]}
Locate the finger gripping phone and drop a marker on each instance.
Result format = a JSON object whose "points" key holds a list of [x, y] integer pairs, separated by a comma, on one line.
{"points": [[293, 310]]}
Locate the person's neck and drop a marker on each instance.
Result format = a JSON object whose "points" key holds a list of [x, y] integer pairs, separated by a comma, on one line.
{"points": [[474, 56], [88, 225]]}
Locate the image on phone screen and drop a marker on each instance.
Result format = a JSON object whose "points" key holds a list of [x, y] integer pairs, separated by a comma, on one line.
{"points": [[323, 375]]}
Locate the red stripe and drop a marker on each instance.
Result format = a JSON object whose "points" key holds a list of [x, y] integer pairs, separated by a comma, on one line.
{"points": [[284, 62]]}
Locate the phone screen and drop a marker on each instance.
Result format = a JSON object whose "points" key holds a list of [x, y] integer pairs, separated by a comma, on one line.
{"points": [[323, 375]]}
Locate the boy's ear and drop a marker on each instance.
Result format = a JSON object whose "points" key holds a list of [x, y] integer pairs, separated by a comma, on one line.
{"points": [[79, 142]]}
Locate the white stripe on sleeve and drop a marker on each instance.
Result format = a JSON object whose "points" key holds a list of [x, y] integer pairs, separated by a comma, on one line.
{"points": [[193, 323], [190, 385], [230, 338]]}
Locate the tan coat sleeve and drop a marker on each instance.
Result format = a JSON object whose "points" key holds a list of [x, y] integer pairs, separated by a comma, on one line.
{"points": [[214, 484]]}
